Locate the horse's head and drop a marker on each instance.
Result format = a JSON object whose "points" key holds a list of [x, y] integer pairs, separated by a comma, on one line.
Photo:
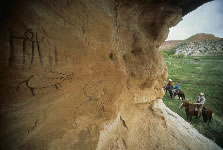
{"points": [[184, 104]]}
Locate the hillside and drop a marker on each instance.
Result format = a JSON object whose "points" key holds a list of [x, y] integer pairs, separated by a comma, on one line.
{"points": [[170, 44], [201, 37], [202, 48], [197, 45], [199, 74]]}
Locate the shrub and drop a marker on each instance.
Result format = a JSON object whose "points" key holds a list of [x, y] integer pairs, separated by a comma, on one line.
{"points": [[167, 53], [171, 52], [181, 55], [178, 56]]}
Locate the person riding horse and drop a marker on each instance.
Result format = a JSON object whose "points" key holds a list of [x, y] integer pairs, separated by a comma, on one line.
{"points": [[176, 88], [200, 104], [191, 111], [169, 84]]}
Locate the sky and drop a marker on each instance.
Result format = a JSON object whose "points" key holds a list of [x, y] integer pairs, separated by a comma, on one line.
{"points": [[208, 18]]}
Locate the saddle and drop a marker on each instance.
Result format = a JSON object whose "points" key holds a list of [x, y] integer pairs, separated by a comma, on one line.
{"points": [[203, 109]]}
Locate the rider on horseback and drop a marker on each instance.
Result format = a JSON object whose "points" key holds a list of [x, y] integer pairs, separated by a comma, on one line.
{"points": [[169, 84], [200, 103], [177, 88]]}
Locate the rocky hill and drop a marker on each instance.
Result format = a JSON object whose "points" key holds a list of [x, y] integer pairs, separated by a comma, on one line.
{"points": [[201, 37], [197, 45]]}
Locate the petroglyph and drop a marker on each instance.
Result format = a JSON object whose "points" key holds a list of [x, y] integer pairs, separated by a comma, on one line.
{"points": [[26, 82], [93, 91], [31, 129], [53, 79], [29, 37]]}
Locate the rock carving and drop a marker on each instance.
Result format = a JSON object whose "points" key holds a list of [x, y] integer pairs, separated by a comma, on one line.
{"points": [[57, 82], [29, 36]]}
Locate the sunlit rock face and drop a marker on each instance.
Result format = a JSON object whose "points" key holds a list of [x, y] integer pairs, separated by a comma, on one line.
{"points": [[87, 75]]}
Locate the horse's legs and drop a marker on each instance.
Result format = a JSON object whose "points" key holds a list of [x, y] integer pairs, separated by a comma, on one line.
{"points": [[199, 112], [190, 118], [209, 117], [174, 94], [171, 96], [187, 117]]}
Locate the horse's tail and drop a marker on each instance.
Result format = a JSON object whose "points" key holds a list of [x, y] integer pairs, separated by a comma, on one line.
{"points": [[183, 96]]}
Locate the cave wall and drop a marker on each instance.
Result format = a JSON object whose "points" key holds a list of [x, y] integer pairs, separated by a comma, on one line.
{"points": [[87, 74]]}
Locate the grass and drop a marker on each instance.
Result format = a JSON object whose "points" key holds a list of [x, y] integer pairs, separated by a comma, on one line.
{"points": [[199, 74]]}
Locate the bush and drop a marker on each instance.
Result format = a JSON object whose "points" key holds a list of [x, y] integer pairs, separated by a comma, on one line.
{"points": [[181, 55], [167, 53], [178, 56], [171, 52]]}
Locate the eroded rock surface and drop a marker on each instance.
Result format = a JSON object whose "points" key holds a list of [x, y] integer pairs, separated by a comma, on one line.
{"points": [[87, 74], [157, 127]]}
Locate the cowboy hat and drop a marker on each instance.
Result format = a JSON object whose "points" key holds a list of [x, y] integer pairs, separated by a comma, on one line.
{"points": [[202, 94], [170, 80]]}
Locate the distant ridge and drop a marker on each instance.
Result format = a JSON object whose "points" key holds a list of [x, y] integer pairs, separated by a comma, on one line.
{"points": [[201, 37], [200, 44]]}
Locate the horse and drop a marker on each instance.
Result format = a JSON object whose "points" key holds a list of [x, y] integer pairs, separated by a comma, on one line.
{"points": [[190, 111], [170, 90], [165, 88], [180, 95], [207, 114]]}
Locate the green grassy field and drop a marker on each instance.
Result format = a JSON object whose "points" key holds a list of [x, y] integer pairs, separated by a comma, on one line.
{"points": [[199, 74]]}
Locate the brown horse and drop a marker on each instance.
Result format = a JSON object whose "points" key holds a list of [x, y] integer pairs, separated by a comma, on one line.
{"points": [[207, 114], [190, 111]]}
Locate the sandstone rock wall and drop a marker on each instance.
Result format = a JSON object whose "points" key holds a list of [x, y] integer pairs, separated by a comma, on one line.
{"points": [[86, 74]]}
